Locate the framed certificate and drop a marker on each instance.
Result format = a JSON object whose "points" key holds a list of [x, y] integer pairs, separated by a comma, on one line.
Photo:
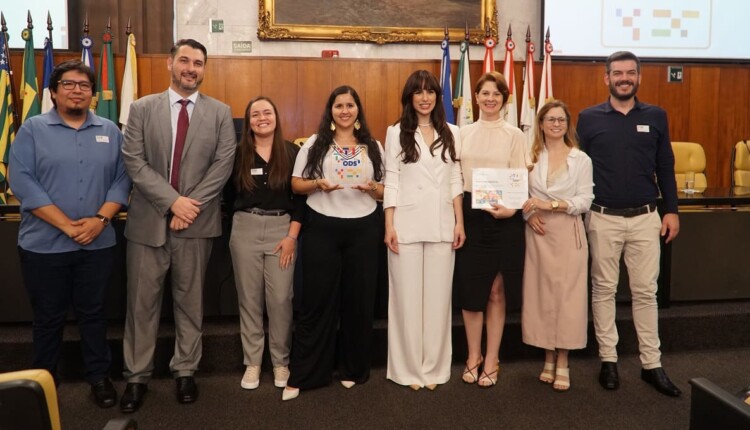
{"points": [[347, 166], [507, 187]]}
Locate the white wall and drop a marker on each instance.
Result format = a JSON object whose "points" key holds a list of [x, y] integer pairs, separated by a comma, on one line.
{"points": [[241, 23]]}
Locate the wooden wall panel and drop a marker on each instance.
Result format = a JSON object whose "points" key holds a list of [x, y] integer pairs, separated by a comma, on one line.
{"points": [[710, 107], [733, 116], [315, 80], [704, 79], [243, 83], [147, 23], [280, 83], [674, 97]]}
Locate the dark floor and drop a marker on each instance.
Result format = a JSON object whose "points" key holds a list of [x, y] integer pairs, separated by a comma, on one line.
{"points": [[517, 402]]}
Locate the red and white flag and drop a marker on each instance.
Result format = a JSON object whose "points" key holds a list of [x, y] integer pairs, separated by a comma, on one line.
{"points": [[489, 56], [545, 92], [511, 107]]}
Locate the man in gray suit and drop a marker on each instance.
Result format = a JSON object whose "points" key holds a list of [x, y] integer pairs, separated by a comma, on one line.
{"points": [[178, 172]]}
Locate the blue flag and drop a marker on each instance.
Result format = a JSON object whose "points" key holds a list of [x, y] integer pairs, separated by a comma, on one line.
{"points": [[86, 44], [445, 82], [49, 65]]}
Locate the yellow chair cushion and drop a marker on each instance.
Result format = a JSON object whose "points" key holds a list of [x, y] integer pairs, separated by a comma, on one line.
{"points": [[689, 157], [742, 164]]}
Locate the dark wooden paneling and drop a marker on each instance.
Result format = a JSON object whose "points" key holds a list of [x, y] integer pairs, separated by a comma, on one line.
{"points": [[704, 80], [709, 107], [733, 116], [147, 22]]}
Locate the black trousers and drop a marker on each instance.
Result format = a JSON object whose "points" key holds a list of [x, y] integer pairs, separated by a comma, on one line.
{"points": [[339, 278], [56, 281]]}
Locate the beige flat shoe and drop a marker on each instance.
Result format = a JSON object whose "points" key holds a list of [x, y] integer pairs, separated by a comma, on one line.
{"points": [[289, 393]]}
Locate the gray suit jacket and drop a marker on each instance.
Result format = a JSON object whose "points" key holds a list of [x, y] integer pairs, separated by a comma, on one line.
{"points": [[206, 165]]}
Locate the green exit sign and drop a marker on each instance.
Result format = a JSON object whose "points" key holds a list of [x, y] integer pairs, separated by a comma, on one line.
{"points": [[217, 25], [674, 74]]}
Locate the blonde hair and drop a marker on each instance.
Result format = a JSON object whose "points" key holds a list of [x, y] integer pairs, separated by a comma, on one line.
{"points": [[570, 138]]}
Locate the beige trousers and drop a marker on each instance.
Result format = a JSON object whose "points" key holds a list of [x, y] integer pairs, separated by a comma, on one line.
{"points": [[419, 313], [637, 239], [260, 280]]}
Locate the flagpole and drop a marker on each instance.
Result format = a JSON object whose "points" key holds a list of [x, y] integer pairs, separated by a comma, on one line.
{"points": [[49, 26], [13, 94]]}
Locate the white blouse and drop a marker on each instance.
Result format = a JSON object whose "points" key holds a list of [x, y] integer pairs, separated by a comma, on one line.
{"points": [[345, 203], [575, 187]]}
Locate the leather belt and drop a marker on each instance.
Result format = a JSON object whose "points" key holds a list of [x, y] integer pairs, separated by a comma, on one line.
{"points": [[626, 212], [263, 212]]}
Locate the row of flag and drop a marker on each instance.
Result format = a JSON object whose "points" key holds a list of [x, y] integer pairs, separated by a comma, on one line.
{"points": [[460, 96], [30, 103]]}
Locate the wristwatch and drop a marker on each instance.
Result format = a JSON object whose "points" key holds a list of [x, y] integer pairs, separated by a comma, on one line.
{"points": [[102, 218], [555, 204]]}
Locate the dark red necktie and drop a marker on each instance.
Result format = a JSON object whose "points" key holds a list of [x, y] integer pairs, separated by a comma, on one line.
{"points": [[183, 121]]}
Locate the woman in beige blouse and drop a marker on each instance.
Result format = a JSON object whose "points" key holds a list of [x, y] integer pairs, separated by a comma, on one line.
{"points": [[554, 314], [494, 237]]}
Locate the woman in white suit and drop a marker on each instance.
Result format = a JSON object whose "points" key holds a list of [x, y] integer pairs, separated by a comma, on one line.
{"points": [[423, 228]]}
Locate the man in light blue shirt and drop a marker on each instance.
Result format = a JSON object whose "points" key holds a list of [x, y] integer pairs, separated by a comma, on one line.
{"points": [[65, 169]]}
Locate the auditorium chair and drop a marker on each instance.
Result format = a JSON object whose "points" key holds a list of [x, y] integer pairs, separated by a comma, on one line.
{"points": [[712, 407], [689, 157], [28, 401], [741, 164]]}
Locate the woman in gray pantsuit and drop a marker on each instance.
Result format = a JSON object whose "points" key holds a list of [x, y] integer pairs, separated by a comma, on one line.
{"points": [[265, 227]]}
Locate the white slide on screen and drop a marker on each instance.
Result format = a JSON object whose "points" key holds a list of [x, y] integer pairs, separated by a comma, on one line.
{"points": [[657, 29]]}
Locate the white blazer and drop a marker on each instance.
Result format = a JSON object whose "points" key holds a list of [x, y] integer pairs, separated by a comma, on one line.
{"points": [[422, 193]]}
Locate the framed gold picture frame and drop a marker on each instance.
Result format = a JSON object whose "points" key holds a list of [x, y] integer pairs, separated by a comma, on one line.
{"points": [[382, 21]]}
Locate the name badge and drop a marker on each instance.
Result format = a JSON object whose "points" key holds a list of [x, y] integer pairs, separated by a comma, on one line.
{"points": [[102, 139], [256, 171], [642, 128]]}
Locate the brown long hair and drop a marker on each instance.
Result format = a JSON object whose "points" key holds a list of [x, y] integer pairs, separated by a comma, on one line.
{"points": [[279, 166], [570, 138], [424, 80]]}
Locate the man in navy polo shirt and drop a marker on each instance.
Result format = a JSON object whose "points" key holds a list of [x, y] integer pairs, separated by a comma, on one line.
{"points": [[628, 142]]}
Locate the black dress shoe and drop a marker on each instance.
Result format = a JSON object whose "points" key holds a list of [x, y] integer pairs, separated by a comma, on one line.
{"points": [[104, 393], [187, 390], [659, 379], [608, 377], [132, 397]]}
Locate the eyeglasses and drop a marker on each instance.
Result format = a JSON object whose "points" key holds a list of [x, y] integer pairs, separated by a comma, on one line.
{"points": [[70, 85], [551, 120]]}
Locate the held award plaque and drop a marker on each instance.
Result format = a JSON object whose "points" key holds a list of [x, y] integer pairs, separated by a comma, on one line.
{"points": [[347, 166]]}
